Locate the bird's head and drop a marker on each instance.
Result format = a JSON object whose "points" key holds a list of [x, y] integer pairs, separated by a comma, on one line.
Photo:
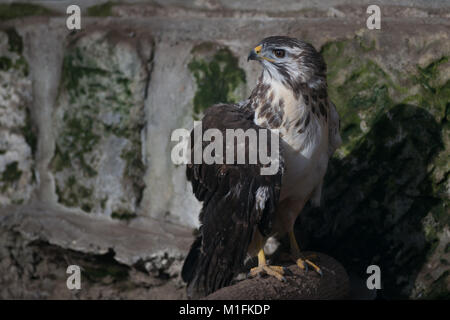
{"points": [[290, 61]]}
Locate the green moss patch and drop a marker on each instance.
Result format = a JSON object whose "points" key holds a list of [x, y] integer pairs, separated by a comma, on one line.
{"points": [[20, 10], [217, 78], [359, 88], [13, 58], [101, 10], [439, 289], [432, 95], [100, 113], [5, 63], [123, 215], [103, 268], [29, 132], [15, 43], [75, 195], [11, 173], [15, 184]]}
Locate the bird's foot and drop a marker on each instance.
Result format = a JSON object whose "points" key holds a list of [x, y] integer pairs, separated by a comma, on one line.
{"points": [[303, 263], [274, 271]]}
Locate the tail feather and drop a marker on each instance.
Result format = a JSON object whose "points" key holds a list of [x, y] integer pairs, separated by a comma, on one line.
{"points": [[191, 262], [205, 274]]}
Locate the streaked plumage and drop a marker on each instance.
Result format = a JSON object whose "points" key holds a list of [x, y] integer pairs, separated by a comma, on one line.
{"points": [[241, 208]]}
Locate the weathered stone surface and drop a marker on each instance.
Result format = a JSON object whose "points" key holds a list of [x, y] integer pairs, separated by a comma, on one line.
{"points": [[17, 138], [141, 260], [188, 78], [265, 8], [169, 106], [99, 121], [35, 270]]}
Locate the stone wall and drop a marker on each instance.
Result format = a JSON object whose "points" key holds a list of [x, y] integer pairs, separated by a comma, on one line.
{"points": [[86, 119]]}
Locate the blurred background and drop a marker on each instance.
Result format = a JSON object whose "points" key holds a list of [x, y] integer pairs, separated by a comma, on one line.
{"points": [[86, 117]]}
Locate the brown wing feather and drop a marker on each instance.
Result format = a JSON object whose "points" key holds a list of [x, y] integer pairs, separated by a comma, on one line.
{"points": [[230, 214]]}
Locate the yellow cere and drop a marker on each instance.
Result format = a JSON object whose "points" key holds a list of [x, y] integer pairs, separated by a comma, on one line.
{"points": [[258, 50]]}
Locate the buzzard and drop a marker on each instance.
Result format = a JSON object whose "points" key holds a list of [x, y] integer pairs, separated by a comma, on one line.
{"points": [[243, 208]]}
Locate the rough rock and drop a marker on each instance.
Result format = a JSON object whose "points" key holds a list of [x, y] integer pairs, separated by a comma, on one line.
{"points": [[98, 162], [199, 75], [141, 260], [17, 137], [299, 284], [38, 270]]}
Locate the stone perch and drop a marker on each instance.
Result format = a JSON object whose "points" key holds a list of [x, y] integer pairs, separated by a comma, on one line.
{"points": [[299, 285]]}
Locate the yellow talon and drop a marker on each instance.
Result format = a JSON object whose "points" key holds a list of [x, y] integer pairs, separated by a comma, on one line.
{"points": [[274, 271], [278, 269], [314, 266], [302, 263]]}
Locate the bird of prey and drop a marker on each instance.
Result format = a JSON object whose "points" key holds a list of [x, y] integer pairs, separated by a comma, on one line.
{"points": [[242, 208]]}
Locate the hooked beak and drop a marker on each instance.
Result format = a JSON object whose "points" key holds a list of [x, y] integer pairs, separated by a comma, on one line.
{"points": [[254, 54]]}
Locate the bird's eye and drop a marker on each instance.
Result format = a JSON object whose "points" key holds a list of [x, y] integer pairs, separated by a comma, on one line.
{"points": [[279, 53]]}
